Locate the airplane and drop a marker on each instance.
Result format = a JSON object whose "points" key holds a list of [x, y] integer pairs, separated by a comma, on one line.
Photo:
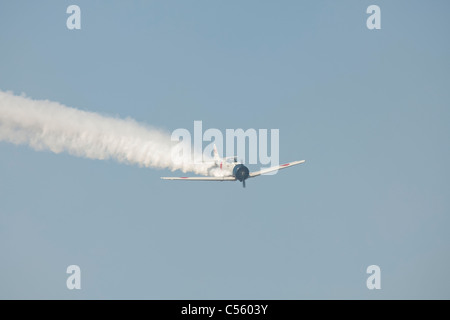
{"points": [[239, 171]]}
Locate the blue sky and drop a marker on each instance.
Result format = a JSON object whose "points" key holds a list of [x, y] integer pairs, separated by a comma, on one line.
{"points": [[368, 110]]}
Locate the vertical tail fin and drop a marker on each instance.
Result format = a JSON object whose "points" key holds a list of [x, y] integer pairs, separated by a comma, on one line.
{"points": [[216, 154]]}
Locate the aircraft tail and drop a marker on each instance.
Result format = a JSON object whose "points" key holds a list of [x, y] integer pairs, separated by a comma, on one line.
{"points": [[216, 154]]}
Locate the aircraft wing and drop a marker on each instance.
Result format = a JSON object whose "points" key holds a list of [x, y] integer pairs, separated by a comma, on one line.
{"points": [[283, 166], [201, 178]]}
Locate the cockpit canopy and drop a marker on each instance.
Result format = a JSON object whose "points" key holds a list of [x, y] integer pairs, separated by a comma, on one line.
{"points": [[231, 159]]}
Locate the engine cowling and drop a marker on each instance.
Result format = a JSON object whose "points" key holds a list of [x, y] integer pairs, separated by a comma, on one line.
{"points": [[241, 172]]}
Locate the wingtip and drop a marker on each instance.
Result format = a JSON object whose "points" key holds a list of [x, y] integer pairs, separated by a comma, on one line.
{"points": [[297, 162]]}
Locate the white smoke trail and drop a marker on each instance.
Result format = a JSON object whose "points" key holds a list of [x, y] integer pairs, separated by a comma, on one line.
{"points": [[47, 125]]}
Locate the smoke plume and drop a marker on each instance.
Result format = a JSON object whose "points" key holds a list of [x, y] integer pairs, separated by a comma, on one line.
{"points": [[47, 125]]}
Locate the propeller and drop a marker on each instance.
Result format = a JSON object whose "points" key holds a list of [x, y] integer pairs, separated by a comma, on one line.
{"points": [[243, 181], [241, 173]]}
